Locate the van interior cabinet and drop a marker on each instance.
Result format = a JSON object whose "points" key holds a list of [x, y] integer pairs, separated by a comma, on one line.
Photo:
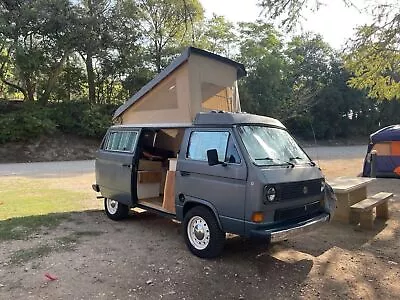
{"points": [[169, 192], [149, 179]]}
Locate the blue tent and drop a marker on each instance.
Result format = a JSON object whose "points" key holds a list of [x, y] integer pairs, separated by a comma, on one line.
{"points": [[386, 142]]}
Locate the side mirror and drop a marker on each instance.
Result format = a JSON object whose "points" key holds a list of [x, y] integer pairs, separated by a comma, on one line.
{"points": [[212, 157]]}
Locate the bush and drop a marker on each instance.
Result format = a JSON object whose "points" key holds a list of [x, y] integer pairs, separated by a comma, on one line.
{"points": [[94, 122], [31, 120], [25, 124]]}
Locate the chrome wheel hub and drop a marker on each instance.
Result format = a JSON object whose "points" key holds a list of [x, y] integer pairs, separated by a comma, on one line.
{"points": [[198, 232], [112, 206]]}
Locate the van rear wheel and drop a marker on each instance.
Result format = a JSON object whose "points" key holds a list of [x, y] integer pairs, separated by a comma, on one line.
{"points": [[115, 210], [203, 236]]}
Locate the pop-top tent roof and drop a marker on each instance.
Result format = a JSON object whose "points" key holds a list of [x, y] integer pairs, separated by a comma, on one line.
{"points": [[175, 64], [389, 133]]}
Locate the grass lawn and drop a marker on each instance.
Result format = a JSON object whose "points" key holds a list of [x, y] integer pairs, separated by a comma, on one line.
{"points": [[21, 196], [26, 204]]}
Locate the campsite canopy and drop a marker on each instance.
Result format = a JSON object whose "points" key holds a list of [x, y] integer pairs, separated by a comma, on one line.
{"points": [[386, 143]]}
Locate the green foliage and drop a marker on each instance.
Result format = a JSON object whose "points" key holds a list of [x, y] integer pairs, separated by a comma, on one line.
{"points": [[82, 118], [216, 35], [94, 122], [303, 84], [81, 59], [32, 121], [265, 87], [37, 39], [372, 56], [375, 64], [25, 124], [166, 24]]}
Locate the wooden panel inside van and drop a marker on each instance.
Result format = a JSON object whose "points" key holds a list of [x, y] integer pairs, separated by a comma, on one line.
{"points": [[149, 176]]}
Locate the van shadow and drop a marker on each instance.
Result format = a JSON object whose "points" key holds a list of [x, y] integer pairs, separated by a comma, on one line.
{"points": [[315, 243], [335, 234]]}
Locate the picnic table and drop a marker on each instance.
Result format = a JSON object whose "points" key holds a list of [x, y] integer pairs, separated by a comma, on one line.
{"points": [[348, 190]]}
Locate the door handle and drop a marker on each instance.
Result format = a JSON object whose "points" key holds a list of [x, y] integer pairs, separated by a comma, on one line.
{"points": [[127, 165], [184, 173]]}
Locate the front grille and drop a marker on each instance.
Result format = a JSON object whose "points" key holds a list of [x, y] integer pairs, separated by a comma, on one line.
{"points": [[297, 212], [292, 190]]}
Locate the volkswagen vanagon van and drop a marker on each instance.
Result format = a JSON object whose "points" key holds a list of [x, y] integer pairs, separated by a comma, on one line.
{"points": [[224, 173]]}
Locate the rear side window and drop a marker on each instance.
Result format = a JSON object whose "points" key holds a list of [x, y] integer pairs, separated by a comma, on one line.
{"points": [[123, 141], [201, 141]]}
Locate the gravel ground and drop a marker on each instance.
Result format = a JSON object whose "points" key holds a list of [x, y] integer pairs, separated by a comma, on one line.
{"points": [[144, 257]]}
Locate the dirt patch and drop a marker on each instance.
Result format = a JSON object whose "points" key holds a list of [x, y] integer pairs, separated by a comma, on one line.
{"points": [[61, 147], [341, 167], [144, 257]]}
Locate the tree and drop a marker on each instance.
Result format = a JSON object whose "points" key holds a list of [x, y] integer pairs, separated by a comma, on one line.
{"points": [[36, 36], [127, 63], [372, 56], [218, 36], [165, 23], [264, 88], [291, 12], [309, 71], [71, 82], [93, 22]]}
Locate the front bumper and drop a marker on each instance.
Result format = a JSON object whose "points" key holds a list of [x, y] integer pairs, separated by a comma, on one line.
{"points": [[284, 232]]}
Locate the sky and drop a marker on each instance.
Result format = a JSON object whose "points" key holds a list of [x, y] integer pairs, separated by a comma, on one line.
{"points": [[334, 21]]}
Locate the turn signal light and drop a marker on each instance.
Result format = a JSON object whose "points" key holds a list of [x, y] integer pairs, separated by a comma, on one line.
{"points": [[257, 217]]}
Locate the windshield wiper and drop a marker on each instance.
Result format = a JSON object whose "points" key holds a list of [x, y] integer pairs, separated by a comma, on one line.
{"points": [[271, 159], [309, 162], [294, 158], [264, 158]]}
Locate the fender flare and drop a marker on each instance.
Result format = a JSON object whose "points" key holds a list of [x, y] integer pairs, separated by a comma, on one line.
{"points": [[191, 201]]}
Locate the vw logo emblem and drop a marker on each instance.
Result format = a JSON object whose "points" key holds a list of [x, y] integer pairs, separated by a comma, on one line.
{"points": [[305, 190]]}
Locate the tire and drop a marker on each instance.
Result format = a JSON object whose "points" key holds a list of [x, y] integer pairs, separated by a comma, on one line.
{"points": [[115, 210], [208, 241]]}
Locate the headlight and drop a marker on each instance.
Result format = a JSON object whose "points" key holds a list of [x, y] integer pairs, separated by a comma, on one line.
{"points": [[322, 185], [270, 193]]}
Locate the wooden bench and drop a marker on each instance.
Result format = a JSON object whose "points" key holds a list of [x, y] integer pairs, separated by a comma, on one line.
{"points": [[362, 212]]}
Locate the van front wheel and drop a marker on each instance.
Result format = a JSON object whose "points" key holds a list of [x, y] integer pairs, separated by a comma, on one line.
{"points": [[203, 236], [115, 210]]}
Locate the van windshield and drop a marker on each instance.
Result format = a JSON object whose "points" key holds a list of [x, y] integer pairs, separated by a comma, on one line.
{"points": [[268, 146]]}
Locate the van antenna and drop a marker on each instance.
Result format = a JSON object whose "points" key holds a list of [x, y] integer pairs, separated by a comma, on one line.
{"points": [[315, 143]]}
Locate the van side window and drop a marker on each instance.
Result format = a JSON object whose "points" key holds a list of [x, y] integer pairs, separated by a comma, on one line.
{"points": [[232, 154], [123, 141], [201, 141]]}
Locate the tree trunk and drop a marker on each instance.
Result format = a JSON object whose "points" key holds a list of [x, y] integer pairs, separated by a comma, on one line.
{"points": [[158, 62], [157, 56], [90, 78], [51, 81], [30, 89], [68, 88]]}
